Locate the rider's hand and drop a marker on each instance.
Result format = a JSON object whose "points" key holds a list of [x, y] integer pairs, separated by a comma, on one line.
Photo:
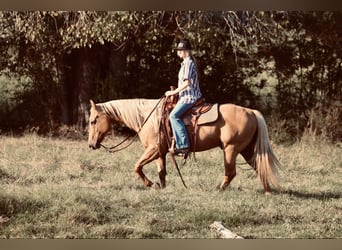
{"points": [[170, 92]]}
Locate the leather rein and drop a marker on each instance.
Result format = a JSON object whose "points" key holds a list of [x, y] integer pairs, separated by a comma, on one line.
{"points": [[113, 150]]}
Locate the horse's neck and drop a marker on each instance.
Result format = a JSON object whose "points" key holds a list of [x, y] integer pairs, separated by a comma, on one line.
{"points": [[131, 112]]}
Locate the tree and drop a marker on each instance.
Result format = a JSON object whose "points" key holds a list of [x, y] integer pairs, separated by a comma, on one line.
{"points": [[71, 57], [57, 51]]}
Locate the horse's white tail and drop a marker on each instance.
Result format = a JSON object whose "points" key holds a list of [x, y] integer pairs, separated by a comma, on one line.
{"points": [[266, 163]]}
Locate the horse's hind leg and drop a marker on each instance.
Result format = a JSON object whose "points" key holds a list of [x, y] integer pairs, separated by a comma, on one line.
{"points": [[229, 164], [248, 155], [248, 152]]}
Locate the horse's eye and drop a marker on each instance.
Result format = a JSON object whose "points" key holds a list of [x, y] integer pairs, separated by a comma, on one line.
{"points": [[93, 122]]}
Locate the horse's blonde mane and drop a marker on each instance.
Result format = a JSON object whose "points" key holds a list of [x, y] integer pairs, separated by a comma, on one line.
{"points": [[133, 112]]}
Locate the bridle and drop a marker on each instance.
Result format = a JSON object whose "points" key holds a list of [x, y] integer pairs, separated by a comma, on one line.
{"points": [[113, 148]]}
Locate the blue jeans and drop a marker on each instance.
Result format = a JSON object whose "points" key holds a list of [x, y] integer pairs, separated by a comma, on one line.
{"points": [[177, 125]]}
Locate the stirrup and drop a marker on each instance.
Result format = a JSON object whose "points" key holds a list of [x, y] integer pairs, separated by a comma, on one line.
{"points": [[179, 152], [182, 151]]}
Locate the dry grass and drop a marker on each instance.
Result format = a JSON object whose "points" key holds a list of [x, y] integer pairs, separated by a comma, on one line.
{"points": [[53, 188]]}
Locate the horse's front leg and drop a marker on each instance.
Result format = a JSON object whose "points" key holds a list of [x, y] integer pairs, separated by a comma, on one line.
{"points": [[161, 163], [151, 153]]}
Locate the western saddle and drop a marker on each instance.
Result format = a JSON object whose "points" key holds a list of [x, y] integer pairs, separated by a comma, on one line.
{"points": [[201, 113]]}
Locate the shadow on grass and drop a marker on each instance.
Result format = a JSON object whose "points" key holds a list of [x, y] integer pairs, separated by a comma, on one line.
{"points": [[11, 205], [318, 196], [5, 177]]}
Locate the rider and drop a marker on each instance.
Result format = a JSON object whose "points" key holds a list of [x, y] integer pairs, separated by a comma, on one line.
{"points": [[189, 92]]}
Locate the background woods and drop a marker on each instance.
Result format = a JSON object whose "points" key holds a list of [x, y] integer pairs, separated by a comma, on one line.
{"points": [[287, 64]]}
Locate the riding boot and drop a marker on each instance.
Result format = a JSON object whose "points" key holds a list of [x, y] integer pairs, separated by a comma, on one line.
{"points": [[179, 152]]}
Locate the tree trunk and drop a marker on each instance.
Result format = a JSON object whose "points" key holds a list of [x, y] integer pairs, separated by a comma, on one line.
{"points": [[85, 85], [77, 87], [66, 88]]}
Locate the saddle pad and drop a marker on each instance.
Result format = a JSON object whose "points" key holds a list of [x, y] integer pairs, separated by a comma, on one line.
{"points": [[207, 117]]}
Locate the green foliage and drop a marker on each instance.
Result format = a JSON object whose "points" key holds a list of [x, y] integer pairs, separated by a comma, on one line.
{"points": [[279, 62]]}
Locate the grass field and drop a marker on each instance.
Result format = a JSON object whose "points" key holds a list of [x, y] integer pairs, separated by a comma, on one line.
{"points": [[54, 188]]}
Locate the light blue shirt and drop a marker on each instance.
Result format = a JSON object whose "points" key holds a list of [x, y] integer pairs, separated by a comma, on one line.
{"points": [[188, 71]]}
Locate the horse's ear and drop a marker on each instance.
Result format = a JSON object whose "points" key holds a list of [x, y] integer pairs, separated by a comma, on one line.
{"points": [[93, 106]]}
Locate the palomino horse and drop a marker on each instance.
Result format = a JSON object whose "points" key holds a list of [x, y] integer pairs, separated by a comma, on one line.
{"points": [[237, 130]]}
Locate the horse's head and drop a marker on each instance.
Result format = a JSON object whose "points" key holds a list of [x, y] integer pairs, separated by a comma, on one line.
{"points": [[99, 125]]}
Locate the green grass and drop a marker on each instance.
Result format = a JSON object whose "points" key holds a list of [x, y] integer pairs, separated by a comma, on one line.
{"points": [[54, 188]]}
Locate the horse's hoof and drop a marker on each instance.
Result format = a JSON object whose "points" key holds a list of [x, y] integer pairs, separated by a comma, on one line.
{"points": [[268, 193], [220, 188], [155, 185]]}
